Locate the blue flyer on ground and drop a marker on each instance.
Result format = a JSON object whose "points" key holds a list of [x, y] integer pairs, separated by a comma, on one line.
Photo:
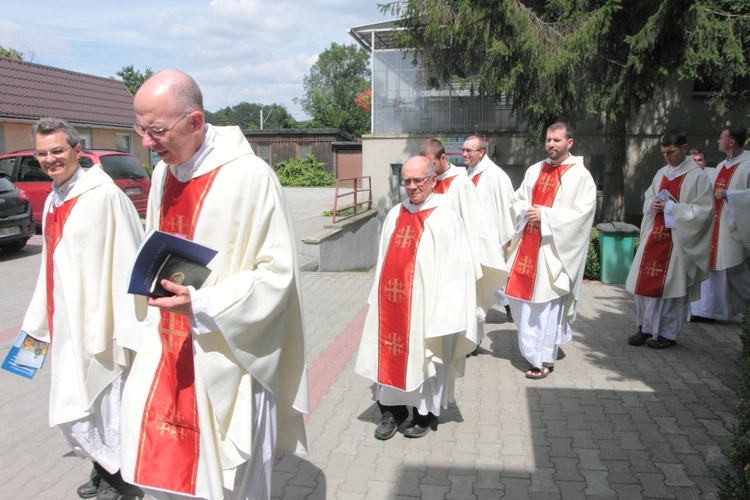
{"points": [[11, 362]]}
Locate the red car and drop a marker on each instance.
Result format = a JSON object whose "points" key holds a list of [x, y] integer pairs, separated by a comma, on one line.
{"points": [[127, 172]]}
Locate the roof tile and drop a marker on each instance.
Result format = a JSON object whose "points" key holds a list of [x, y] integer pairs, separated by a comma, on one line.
{"points": [[32, 91]]}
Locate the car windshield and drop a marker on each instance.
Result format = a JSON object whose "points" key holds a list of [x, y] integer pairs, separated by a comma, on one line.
{"points": [[123, 167]]}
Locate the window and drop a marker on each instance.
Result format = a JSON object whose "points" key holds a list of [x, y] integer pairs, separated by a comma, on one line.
{"points": [[304, 149], [264, 151], [85, 134], [7, 165], [124, 143]]}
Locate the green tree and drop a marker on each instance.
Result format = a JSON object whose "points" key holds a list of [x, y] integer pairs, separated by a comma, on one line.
{"points": [[246, 115], [11, 53], [337, 77], [133, 78], [577, 59]]}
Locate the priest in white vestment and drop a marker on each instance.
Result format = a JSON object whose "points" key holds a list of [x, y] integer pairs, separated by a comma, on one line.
{"points": [[489, 261], [220, 379], [673, 255], [724, 293], [422, 317], [553, 212], [91, 234], [496, 194]]}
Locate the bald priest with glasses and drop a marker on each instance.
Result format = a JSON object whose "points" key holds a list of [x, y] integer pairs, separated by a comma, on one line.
{"points": [[422, 317]]}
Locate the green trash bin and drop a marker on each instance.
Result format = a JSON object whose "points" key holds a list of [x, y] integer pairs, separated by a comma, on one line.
{"points": [[616, 250]]}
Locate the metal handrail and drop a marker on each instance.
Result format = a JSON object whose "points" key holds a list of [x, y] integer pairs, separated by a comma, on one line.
{"points": [[357, 189]]}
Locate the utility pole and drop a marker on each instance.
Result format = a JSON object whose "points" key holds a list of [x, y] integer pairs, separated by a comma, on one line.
{"points": [[262, 121]]}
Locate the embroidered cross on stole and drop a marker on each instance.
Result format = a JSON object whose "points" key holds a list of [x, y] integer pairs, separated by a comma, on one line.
{"points": [[169, 445], [723, 177], [523, 272], [394, 297], [652, 275], [442, 185], [53, 231]]}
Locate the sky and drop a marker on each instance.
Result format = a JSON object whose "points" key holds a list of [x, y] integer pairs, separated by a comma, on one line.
{"points": [[237, 50]]}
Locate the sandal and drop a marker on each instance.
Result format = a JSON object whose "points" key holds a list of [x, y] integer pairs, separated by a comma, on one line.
{"points": [[661, 343], [535, 373]]}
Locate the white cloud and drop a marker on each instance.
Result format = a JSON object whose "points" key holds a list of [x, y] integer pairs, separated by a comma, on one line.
{"points": [[237, 50]]}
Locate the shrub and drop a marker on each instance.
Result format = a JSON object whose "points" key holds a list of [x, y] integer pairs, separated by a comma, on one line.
{"points": [[593, 269], [735, 482], [305, 171]]}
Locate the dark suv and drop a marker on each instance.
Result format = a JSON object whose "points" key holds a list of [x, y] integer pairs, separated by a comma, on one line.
{"points": [[16, 225], [127, 172]]}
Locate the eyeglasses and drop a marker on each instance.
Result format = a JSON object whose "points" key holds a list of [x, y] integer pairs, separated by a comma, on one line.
{"points": [[56, 152], [158, 132], [418, 181], [467, 150]]}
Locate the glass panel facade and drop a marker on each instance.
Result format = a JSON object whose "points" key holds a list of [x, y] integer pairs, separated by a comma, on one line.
{"points": [[402, 104]]}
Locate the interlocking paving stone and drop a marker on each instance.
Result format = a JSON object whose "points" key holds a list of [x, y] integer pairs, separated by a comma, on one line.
{"points": [[611, 421]]}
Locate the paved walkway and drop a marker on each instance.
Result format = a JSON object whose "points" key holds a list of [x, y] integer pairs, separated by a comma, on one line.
{"points": [[612, 421]]}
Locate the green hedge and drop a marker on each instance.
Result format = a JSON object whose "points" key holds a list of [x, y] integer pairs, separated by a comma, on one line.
{"points": [[735, 482], [305, 171]]}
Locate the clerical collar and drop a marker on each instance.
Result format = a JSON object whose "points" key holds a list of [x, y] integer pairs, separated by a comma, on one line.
{"points": [[59, 193], [730, 161], [442, 176], [672, 171], [411, 207], [184, 171]]}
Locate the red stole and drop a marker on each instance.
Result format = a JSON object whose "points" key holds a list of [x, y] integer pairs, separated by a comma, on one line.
{"points": [[475, 179], [442, 185], [652, 274], [394, 297], [53, 231], [169, 444], [523, 272], [721, 182]]}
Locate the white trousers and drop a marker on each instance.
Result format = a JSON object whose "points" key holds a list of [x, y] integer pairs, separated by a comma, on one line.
{"points": [[724, 293], [542, 328], [431, 397], [97, 436], [661, 317]]}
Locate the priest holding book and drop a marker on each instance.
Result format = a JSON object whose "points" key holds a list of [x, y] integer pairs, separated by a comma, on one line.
{"points": [[220, 380], [91, 233], [672, 258]]}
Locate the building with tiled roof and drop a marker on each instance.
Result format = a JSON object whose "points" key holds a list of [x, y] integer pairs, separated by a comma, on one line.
{"points": [[100, 108]]}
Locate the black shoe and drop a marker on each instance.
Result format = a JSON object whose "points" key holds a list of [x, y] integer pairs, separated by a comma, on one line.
{"points": [[509, 314], [108, 492], [475, 352], [661, 343], [560, 354], [90, 489], [639, 338], [421, 425], [701, 319], [387, 427]]}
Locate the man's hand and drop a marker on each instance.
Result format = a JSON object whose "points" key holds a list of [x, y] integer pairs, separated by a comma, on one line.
{"points": [[720, 194], [179, 303], [658, 205], [534, 213]]}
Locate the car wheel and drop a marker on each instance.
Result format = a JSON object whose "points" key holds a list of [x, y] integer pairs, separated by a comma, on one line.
{"points": [[14, 246]]}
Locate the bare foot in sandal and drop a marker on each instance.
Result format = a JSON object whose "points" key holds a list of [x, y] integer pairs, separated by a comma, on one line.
{"points": [[539, 373]]}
